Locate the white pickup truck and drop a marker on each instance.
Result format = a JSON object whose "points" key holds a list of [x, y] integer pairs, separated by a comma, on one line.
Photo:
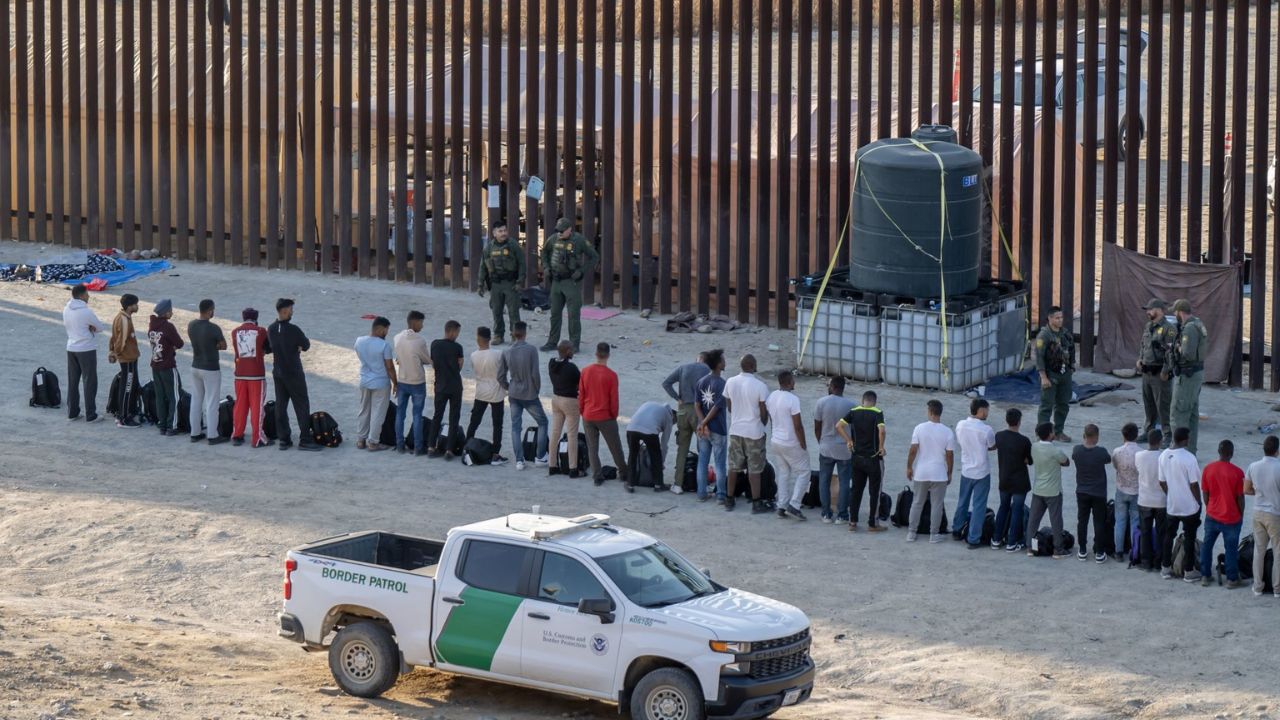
{"points": [[570, 605]]}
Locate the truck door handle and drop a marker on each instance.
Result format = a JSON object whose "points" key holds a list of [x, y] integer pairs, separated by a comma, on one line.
{"points": [[454, 601], [539, 616]]}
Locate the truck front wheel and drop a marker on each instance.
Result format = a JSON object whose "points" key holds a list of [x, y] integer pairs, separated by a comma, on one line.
{"points": [[667, 694], [364, 659]]}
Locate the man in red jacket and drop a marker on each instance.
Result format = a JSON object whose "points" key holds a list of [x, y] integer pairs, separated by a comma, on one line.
{"points": [[251, 348], [598, 400]]}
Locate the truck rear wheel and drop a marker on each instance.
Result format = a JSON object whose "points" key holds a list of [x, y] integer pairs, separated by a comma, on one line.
{"points": [[667, 694], [364, 659]]}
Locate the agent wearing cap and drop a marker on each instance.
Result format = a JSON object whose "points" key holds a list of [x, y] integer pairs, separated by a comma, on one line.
{"points": [[165, 343], [1186, 364], [566, 257], [502, 275], [1055, 361], [250, 345], [1157, 337]]}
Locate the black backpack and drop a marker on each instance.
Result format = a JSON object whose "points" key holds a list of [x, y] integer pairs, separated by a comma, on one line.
{"points": [[133, 404], [451, 440], [1042, 542], [387, 435], [1245, 560], [183, 424], [534, 298], [988, 527], [812, 497], [324, 429], [584, 459], [269, 419], [768, 486], [901, 516], [149, 410], [477, 452], [689, 480], [529, 445], [885, 509], [45, 391], [226, 416]]}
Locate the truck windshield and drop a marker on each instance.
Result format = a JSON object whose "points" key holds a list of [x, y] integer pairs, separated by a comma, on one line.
{"points": [[655, 576]]}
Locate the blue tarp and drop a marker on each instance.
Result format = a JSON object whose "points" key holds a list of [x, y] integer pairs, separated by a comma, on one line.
{"points": [[1023, 388], [133, 269]]}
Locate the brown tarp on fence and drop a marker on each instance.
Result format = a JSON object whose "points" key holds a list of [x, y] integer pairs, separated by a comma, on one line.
{"points": [[1130, 279]]}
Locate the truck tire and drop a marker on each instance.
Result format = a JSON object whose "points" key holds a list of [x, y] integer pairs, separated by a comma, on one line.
{"points": [[364, 659], [667, 694]]}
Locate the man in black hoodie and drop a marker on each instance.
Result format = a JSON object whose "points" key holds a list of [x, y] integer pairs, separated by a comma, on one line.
{"points": [[287, 345]]}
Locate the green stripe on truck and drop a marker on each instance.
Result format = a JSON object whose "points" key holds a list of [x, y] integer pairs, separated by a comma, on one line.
{"points": [[474, 630]]}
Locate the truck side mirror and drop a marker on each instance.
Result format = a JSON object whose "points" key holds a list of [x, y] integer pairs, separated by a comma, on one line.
{"points": [[600, 607], [706, 572]]}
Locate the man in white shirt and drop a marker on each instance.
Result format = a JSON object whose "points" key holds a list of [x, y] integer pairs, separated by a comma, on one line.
{"points": [[929, 466], [788, 451], [1262, 481], [83, 327], [1151, 503], [1180, 480], [744, 397], [412, 355], [489, 394], [975, 438]]}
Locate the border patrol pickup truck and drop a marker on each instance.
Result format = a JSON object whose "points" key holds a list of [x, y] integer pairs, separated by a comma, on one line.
{"points": [[575, 606]]}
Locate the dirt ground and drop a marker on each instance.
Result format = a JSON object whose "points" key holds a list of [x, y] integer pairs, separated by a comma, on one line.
{"points": [[142, 574]]}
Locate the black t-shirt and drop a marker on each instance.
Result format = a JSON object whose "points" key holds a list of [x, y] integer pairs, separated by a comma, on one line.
{"points": [[445, 357], [1091, 469], [1013, 452], [205, 337], [864, 424], [564, 377]]}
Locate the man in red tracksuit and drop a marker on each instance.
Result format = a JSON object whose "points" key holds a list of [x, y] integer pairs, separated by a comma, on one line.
{"points": [[249, 341]]}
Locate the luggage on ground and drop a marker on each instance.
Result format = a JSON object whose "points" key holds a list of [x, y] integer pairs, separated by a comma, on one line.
{"points": [[324, 429], [269, 419], [1041, 543], [1245, 561], [149, 410], [451, 440], [387, 435], [988, 527], [689, 480], [184, 409], [45, 391], [812, 497], [529, 444], [1181, 546], [562, 451], [885, 509], [477, 452]]}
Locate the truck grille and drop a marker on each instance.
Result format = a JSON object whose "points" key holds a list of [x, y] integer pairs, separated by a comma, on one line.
{"points": [[785, 664]]}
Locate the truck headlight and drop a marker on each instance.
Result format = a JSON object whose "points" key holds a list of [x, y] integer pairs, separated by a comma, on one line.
{"points": [[735, 668], [731, 648]]}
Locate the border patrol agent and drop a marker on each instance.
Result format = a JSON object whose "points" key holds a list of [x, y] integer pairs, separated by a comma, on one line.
{"points": [[1186, 364], [502, 274], [1153, 354], [566, 257], [1055, 359]]}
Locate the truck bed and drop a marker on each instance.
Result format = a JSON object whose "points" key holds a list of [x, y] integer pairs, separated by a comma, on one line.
{"points": [[401, 552]]}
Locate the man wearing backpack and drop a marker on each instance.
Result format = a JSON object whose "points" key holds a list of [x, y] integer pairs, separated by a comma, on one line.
{"points": [[288, 342], [1180, 480], [82, 327], [1046, 491], [1262, 481], [206, 342], [124, 350], [1223, 488], [251, 349], [165, 343]]}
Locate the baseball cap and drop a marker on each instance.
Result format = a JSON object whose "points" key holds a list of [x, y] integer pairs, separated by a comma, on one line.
{"points": [[1156, 304], [1182, 305], [563, 224]]}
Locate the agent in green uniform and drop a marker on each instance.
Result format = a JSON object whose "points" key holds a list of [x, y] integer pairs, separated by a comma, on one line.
{"points": [[1153, 354], [502, 274], [1186, 364], [566, 257], [1055, 359]]}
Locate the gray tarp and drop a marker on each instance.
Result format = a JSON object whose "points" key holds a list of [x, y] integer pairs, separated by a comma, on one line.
{"points": [[1130, 279]]}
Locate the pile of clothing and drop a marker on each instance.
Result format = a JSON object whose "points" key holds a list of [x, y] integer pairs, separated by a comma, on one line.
{"points": [[59, 272], [687, 322]]}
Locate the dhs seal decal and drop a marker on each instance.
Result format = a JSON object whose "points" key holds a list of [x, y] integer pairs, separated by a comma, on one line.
{"points": [[599, 644]]}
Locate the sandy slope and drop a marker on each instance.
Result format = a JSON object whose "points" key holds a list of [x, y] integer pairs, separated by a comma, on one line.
{"points": [[142, 574]]}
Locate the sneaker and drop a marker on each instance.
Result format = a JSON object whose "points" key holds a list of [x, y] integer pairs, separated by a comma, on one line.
{"points": [[575, 474], [826, 519], [629, 488], [728, 504], [265, 443], [876, 528], [720, 500], [129, 424], [170, 433], [448, 455], [794, 512], [1206, 581], [286, 444], [1082, 554], [498, 340], [553, 470], [401, 449], [659, 488], [420, 453], [1062, 438], [974, 546], [782, 513], [498, 460], [1031, 553], [996, 544], [198, 438], [677, 489], [361, 444], [309, 446], [237, 442], [1192, 576], [597, 482], [1166, 573], [758, 507], [1099, 558], [705, 498], [437, 453], [1061, 555], [936, 538], [955, 535], [549, 347], [217, 440], [542, 461], [73, 417], [911, 537], [1013, 547], [1233, 584], [92, 418], [520, 466], [375, 447], [1257, 591]]}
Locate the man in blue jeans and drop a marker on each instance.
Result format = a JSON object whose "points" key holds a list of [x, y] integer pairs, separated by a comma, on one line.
{"points": [[833, 452], [976, 439], [519, 374], [1125, 462], [713, 427], [412, 355], [1222, 485]]}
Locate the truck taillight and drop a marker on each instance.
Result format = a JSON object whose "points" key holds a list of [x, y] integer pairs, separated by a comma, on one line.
{"points": [[289, 567]]}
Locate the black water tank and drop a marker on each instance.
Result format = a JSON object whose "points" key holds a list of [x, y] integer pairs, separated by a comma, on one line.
{"points": [[897, 192], [935, 133]]}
